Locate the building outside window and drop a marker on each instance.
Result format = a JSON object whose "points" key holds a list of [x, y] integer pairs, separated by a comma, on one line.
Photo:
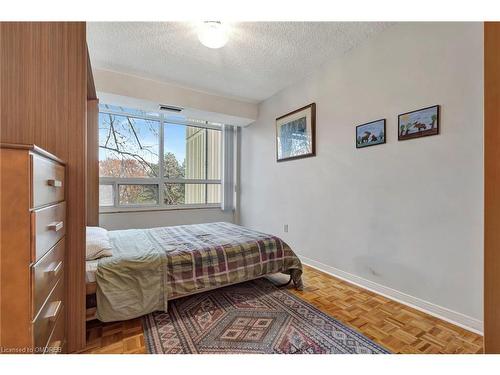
{"points": [[155, 160]]}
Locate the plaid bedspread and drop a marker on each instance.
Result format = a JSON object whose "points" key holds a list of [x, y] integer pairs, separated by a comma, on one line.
{"points": [[149, 267], [208, 256]]}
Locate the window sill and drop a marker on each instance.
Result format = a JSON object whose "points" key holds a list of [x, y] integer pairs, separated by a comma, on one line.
{"points": [[116, 210]]}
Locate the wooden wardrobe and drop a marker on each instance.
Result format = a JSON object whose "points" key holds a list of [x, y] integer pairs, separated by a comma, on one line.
{"points": [[33, 228], [492, 187], [44, 74]]}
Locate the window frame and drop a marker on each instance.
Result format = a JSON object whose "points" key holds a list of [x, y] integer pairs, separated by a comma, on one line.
{"points": [[161, 180]]}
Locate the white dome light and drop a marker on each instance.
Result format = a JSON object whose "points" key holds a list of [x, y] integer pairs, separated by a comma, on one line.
{"points": [[212, 34]]}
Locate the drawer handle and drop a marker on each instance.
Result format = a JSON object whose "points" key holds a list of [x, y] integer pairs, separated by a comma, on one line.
{"points": [[56, 226], [56, 269], [56, 308], [54, 183]]}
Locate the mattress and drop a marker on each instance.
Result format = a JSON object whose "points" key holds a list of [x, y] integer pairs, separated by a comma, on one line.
{"points": [[90, 270], [149, 267]]}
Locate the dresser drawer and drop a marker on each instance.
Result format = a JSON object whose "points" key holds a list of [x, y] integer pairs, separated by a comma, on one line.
{"points": [[46, 320], [57, 338], [49, 226], [47, 181], [46, 272]]}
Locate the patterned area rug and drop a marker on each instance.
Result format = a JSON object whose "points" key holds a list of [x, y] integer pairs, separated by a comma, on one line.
{"points": [[253, 317]]}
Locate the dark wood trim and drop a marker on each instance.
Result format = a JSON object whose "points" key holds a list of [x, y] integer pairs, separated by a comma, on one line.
{"points": [[492, 187], [313, 131], [90, 288], [91, 92], [93, 162]]}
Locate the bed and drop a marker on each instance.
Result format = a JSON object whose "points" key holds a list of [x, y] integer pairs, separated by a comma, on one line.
{"points": [[150, 267]]}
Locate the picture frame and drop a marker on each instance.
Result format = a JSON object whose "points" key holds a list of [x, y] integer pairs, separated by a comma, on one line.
{"points": [[422, 122], [296, 134], [371, 133]]}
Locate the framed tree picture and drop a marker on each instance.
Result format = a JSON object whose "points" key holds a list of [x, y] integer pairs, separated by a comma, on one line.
{"points": [[295, 134], [370, 134], [420, 123]]}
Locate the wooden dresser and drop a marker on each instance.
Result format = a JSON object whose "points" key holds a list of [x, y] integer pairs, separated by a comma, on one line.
{"points": [[32, 252]]}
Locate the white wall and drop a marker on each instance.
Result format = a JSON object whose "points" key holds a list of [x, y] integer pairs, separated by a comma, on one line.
{"points": [[125, 89], [408, 215], [162, 218]]}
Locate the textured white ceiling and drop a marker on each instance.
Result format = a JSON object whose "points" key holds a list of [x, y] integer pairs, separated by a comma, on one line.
{"points": [[260, 58]]}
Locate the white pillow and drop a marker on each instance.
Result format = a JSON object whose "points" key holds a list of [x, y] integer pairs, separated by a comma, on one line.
{"points": [[98, 244]]}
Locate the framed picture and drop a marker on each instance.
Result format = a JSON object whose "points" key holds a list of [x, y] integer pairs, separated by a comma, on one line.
{"points": [[295, 134], [370, 134], [419, 123]]}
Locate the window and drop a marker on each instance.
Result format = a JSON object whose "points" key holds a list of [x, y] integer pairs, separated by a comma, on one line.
{"points": [[155, 160], [106, 195], [129, 146]]}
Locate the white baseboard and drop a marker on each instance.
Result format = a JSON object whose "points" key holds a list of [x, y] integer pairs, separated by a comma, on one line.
{"points": [[440, 312]]}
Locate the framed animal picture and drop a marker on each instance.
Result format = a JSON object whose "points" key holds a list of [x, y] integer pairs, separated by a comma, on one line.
{"points": [[420, 123], [296, 134], [370, 134]]}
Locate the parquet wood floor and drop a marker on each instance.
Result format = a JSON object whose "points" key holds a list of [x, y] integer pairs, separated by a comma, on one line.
{"points": [[399, 328]]}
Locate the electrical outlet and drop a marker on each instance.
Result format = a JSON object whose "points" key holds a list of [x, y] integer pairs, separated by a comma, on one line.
{"points": [[285, 228]]}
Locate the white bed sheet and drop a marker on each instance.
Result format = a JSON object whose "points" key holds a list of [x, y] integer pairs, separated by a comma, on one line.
{"points": [[90, 270]]}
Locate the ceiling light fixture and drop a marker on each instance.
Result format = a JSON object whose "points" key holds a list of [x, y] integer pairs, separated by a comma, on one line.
{"points": [[213, 34]]}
